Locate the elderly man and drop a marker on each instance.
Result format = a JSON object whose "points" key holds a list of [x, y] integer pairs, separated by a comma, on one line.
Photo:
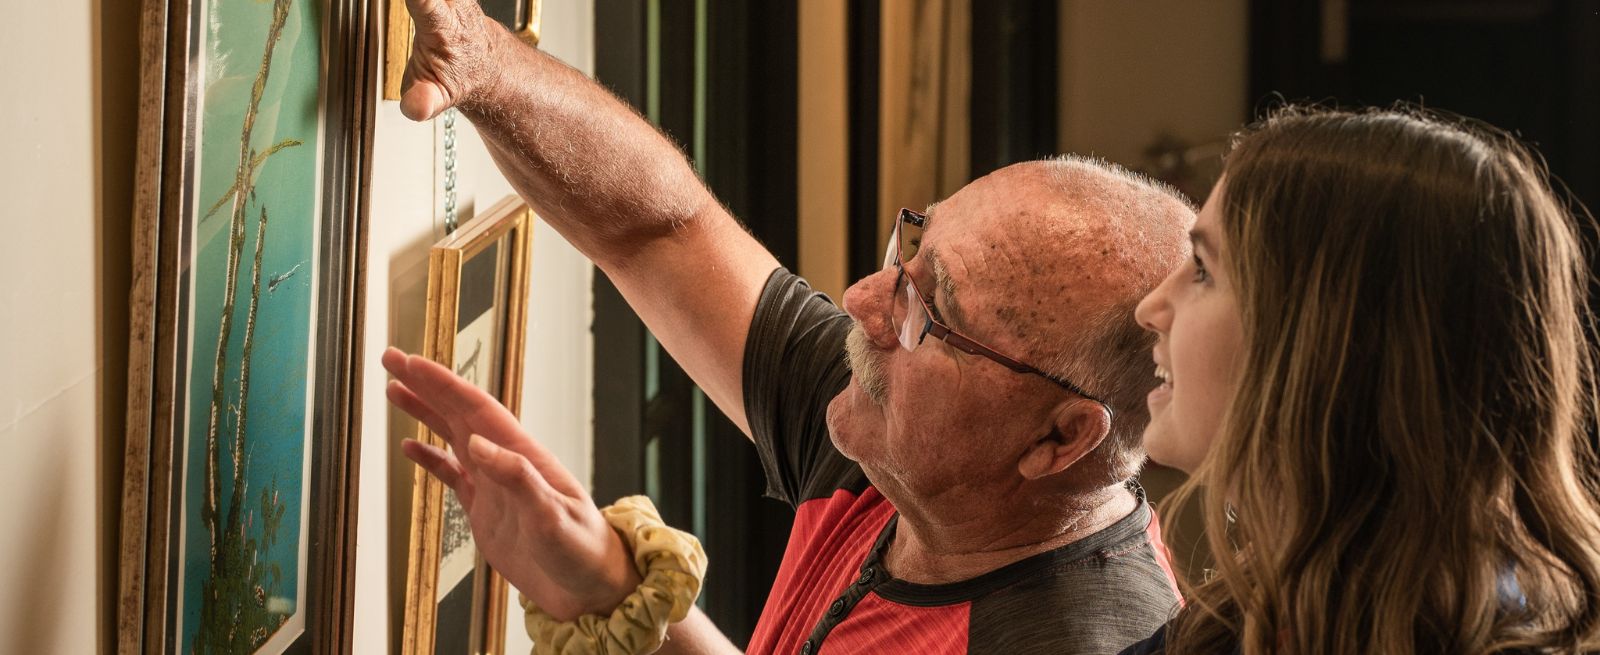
{"points": [[961, 477]]}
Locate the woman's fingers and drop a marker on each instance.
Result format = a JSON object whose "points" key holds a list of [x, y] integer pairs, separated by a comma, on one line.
{"points": [[506, 467], [394, 361], [526, 449], [455, 406], [458, 408], [551, 469], [462, 403], [436, 461], [446, 392], [409, 403]]}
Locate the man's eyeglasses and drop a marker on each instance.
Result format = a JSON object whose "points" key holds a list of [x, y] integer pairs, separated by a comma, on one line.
{"points": [[915, 319]]}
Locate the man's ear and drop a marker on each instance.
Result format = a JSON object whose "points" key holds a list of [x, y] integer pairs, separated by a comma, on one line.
{"points": [[1077, 429]]}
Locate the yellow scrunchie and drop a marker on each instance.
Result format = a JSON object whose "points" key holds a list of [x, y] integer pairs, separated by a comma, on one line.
{"points": [[672, 563]]}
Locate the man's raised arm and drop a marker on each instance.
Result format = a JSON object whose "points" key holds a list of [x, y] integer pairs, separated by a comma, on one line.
{"points": [[604, 178]]}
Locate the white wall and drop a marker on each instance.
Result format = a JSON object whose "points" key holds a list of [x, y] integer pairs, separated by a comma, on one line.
{"points": [[65, 177], [1133, 70], [407, 217], [48, 399]]}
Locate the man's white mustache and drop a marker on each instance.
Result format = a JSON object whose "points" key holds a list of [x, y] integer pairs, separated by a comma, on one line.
{"points": [[865, 365]]}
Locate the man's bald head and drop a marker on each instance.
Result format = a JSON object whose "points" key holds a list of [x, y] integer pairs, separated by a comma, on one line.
{"points": [[1086, 240], [1143, 234], [1043, 263]]}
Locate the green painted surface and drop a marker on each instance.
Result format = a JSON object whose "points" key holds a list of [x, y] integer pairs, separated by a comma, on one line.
{"points": [[245, 441]]}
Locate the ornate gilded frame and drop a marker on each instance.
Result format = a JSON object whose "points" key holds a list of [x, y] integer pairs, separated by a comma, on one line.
{"points": [[508, 225]]}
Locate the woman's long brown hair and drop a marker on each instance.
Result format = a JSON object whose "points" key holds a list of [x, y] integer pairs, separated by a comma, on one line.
{"points": [[1406, 465]]}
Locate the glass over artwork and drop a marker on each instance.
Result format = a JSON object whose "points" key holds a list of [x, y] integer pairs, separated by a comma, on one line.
{"points": [[251, 220], [480, 321]]}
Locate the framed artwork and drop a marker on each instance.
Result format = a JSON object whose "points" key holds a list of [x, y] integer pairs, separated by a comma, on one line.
{"points": [[477, 318], [519, 16], [244, 359]]}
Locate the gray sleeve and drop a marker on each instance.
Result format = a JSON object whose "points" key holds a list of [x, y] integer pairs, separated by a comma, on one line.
{"points": [[1093, 607], [793, 366]]}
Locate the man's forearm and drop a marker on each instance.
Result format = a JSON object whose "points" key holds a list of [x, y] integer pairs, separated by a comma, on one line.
{"points": [[587, 162], [696, 635], [626, 197]]}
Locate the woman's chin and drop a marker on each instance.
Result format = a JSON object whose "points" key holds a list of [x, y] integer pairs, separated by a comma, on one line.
{"points": [[1160, 443]]}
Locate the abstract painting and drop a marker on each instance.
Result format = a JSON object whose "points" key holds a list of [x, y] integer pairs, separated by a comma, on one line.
{"points": [[244, 346]]}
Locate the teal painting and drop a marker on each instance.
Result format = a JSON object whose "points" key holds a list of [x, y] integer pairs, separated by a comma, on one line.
{"points": [[252, 219]]}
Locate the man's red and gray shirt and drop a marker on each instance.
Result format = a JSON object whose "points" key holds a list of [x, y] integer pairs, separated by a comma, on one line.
{"points": [[833, 593]]}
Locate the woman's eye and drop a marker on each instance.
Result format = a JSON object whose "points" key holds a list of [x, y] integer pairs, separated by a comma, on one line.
{"points": [[1200, 274]]}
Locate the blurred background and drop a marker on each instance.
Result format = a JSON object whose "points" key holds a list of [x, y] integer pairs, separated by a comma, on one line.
{"points": [[815, 120]]}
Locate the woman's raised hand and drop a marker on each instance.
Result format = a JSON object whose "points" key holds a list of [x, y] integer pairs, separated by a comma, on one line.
{"points": [[532, 520]]}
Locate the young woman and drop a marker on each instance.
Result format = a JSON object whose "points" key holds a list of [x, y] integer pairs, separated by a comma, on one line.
{"points": [[1376, 370]]}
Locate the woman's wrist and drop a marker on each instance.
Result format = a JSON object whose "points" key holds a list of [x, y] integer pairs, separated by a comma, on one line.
{"points": [[670, 564], [621, 579]]}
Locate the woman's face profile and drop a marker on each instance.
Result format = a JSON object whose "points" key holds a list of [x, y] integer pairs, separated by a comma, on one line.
{"points": [[1195, 314]]}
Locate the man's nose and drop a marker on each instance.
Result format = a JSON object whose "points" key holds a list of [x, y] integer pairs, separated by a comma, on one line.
{"points": [[870, 302]]}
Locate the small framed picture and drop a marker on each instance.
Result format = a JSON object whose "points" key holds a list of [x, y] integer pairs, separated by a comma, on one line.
{"points": [[476, 324], [249, 230], [519, 16]]}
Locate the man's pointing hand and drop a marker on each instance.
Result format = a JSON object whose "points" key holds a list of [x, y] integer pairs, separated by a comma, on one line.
{"points": [[452, 56]]}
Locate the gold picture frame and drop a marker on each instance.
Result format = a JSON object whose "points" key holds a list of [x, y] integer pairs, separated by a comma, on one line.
{"points": [[519, 16], [478, 280]]}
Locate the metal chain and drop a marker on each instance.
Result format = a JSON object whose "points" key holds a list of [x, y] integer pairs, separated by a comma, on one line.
{"points": [[450, 169]]}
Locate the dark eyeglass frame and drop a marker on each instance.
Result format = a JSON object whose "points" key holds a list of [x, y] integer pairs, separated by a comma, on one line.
{"points": [[937, 329]]}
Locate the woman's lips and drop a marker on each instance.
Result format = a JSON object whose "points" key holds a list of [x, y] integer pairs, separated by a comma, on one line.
{"points": [[1159, 395]]}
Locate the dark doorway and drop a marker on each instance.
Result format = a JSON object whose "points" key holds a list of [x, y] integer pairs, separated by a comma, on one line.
{"points": [[719, 78], [1529, 66]]}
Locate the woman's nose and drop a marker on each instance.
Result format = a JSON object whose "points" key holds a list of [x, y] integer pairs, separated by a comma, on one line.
{"points": [[1154, 312], [870, 302]]}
